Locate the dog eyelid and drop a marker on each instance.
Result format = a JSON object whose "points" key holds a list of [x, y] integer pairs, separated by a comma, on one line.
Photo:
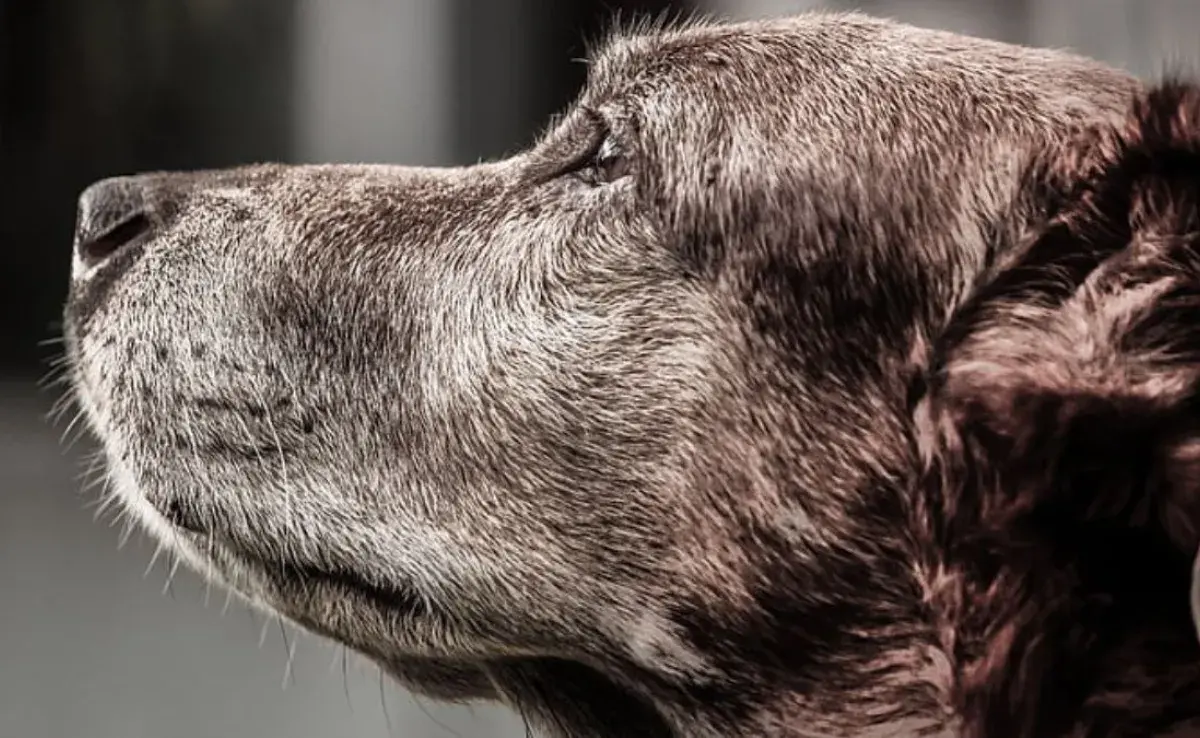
{"points": [[599, 156], [609, 149], [607, 161]]}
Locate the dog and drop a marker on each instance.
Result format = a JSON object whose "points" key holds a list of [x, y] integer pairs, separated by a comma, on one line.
{"points": [[823, 376]]}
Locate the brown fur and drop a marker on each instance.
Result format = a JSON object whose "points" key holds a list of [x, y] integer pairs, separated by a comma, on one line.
{"points": [[1059, 433], [852, 396]]}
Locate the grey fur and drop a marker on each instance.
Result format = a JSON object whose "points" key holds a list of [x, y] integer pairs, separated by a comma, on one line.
{"points": [[627, 456]]}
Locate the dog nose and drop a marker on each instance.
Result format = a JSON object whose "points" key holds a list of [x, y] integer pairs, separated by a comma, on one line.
{"points": [[113, 214]]}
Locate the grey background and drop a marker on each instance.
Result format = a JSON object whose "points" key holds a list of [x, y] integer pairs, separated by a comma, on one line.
{"points": [[92, 642]]}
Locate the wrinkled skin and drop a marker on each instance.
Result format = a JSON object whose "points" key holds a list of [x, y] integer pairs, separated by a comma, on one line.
{"points": [[628, 447]]}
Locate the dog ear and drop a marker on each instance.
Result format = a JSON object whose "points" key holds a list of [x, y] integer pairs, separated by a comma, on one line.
{"points": [[1059, 421]]}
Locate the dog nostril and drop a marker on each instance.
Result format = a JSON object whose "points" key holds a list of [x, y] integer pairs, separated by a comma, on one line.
{"points": [[112, 215], [97, 248]]}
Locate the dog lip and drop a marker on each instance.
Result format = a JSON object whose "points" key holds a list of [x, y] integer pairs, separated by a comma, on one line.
{"points": [[180, 516], [392, 597], [293, 574]]}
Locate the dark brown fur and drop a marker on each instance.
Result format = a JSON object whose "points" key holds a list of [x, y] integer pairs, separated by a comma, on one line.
{"points": [[1058, 424], [860, 401]]}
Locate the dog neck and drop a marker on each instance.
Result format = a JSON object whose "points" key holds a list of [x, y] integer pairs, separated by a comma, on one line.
{"points": [[859, 660], [564, 700], [904, 651], [560, 699]]}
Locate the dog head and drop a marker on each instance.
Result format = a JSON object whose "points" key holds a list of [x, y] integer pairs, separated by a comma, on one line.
{"points": [[688, 420]]}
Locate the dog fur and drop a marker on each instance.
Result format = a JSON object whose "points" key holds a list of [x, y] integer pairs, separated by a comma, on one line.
{"points": [[853, 395]]}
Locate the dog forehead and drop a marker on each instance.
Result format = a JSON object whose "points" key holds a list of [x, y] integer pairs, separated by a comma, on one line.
{"points": [[659, 53], [747, 64]]}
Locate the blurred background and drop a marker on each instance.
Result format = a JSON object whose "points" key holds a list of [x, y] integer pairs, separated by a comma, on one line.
{"points": [[92, 644]]}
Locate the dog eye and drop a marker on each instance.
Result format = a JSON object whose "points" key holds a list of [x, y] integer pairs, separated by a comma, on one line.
{"points": [[608, 164]]}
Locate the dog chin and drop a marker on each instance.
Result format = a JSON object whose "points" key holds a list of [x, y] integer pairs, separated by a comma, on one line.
{"points": [[442, 679]]}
